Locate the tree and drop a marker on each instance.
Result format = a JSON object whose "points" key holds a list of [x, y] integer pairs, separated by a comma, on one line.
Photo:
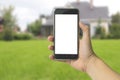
{"points": [[9, 19], [115, 31], [116, 18], [115, 27], [34, 27], [9, 23], [100, 31]]}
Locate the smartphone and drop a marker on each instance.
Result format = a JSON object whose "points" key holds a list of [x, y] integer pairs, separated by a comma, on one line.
{"points": [[66, 33]]}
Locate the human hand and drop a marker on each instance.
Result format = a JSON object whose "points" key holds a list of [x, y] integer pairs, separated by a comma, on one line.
{"points": [[85, 51]]}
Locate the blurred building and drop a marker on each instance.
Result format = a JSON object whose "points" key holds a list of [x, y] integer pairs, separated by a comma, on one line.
{"points": [[89, 14], [47, 25]]}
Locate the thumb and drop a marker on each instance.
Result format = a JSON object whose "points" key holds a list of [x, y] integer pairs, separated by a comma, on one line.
{"points": [[85, 29]]}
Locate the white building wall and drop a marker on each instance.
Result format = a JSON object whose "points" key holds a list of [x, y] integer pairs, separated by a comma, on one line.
{"points": [[43, 21], [106, 26], [93, 26]]}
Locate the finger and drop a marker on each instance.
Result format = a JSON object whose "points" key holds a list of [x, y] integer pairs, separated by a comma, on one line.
{"points": [[51, 47], [51, 57], [50, 38], [85, 29], [65, 61]]}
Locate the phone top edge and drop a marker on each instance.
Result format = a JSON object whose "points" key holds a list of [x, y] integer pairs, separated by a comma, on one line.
{"points": [[66, 11]]}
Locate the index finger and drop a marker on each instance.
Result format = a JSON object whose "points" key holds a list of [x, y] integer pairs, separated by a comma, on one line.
{"points": [[50, 38]]}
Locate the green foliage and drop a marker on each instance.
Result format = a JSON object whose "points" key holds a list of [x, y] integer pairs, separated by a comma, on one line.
{"points": [[7, 34], [18, 28], [100, 33], [28, 60], [116, 18], [34, 27], [23, 36], [114, 31], [9, 19], [9, 23], [1, 35], [115, 27]]}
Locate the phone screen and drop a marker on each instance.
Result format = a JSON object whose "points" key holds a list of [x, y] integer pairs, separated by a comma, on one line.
{"points": [[66, 32]]}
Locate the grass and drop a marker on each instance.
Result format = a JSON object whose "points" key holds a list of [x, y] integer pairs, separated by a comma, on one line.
{"points": [[28, 60]]}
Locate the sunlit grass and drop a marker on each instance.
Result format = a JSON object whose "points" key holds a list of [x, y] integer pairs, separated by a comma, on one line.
{"points": [[28, 60]]}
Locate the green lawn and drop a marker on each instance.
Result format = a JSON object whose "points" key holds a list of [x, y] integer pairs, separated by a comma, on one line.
{"points": [[28, 60]]}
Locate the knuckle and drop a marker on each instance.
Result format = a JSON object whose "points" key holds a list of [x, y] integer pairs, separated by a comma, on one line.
{"points": [[87, 28]]}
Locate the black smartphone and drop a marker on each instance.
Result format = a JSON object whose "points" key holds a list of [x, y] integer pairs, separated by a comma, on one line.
{"points": [[66, 33]]}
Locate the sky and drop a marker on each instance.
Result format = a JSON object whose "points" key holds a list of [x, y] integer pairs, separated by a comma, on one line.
{"points": [[27, 11]]}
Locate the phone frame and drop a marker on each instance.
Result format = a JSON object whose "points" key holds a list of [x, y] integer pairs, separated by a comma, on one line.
{"points": [[67, 11]]}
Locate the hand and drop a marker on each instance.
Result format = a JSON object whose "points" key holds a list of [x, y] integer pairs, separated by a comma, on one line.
{"points": [[85, 51]]}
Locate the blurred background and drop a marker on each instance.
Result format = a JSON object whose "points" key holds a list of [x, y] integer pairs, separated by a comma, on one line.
{"points": [[25, 25]]}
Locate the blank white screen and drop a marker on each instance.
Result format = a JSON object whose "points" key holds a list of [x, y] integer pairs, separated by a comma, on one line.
{"points": [[66, 34]]}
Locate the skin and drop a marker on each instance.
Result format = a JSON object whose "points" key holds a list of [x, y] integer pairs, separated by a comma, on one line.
{"points": [[88, 62]]}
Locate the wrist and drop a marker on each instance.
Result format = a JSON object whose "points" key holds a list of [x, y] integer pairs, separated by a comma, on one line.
{"points": [[91, 60]]}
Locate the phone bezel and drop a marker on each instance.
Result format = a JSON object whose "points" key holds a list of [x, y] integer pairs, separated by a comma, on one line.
{"points": [[67, 11]]}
